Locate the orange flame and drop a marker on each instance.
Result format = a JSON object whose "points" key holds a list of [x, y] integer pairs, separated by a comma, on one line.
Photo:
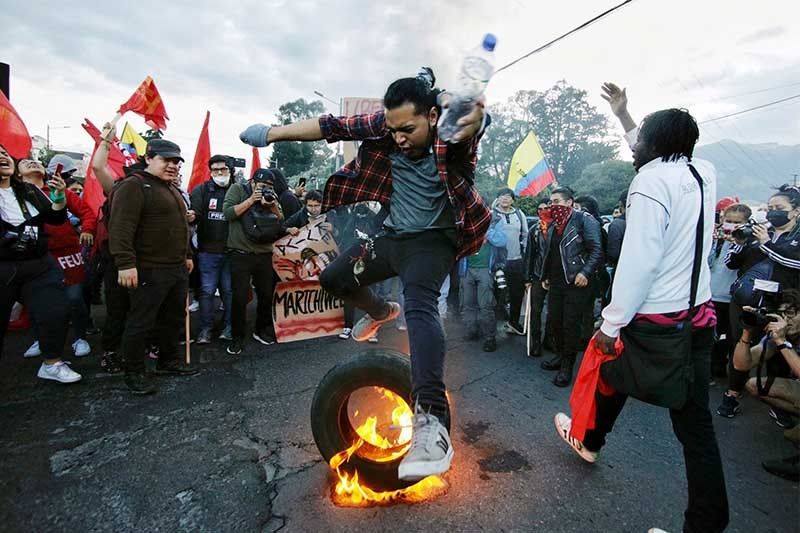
{"points": [[349, 492]]}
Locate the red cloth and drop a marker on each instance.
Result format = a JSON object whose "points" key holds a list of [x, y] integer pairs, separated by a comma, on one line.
{"points": [[545, 218], [146, 101], [63, 240], [93, 193], [256, 162], [582, 401], [561, 215], [200, 171], [13, 133], [369, 175]]}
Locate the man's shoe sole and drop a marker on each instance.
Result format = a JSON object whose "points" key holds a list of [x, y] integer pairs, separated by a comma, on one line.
{"points": [[233, 352], [64, 381], [160, 372], [372, 331], [417, 471], [576, 446]]}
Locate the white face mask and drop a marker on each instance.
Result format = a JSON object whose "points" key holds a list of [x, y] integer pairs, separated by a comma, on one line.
{"points": [[221, 181]]}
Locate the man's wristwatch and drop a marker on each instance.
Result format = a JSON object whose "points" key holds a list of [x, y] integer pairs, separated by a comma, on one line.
{"points": [[784, 344]]}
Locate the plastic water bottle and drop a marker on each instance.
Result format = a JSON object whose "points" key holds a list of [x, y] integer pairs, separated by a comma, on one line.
{"points": [[476, 70]]}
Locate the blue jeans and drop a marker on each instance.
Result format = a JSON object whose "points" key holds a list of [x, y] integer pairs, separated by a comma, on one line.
{"points": [[215, 272]]}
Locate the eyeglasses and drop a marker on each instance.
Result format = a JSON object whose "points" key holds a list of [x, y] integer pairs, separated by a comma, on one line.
{"points": [[789, 312], [224, 171]]}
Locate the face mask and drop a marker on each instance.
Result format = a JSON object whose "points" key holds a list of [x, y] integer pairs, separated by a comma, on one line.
{"points": [[777, 218], [728, 227], [221, 181]]}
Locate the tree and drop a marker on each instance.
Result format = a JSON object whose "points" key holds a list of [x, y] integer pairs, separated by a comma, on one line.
{"points": [[299, 158], [572, 133], [606, 181]]}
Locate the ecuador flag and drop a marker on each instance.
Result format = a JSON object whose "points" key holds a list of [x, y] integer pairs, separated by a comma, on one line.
{"points": [[529, 172], [132, 144]]}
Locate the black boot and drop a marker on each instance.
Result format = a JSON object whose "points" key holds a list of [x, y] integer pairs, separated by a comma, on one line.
{"points": [[564, 376], [140, 384], [552, 364], [536, 345]]}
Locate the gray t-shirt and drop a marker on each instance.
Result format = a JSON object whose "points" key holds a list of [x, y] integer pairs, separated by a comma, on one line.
{"points": [[419, 198]]}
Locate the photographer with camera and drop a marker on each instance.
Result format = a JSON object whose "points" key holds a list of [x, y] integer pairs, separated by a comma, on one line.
{"points": [[255, 221], [212, 236], [779, 331], [770, 253], [513, 222], [28, 273]]}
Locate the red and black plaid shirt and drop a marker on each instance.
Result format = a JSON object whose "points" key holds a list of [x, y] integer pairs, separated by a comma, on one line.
{"points": [[369, 176]]}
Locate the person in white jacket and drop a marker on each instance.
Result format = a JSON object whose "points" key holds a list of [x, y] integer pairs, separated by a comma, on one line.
{"points": [[652, 284]]}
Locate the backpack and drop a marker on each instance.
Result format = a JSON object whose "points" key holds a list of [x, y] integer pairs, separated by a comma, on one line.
{"points": [[743, 289], [260, 225]]}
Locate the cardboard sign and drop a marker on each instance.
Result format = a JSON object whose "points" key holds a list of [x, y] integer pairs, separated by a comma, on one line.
{"points": [[304, 256], [358, 106], [303, 310]]}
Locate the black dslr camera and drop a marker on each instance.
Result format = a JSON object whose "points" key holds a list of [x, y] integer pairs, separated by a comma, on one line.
{"points": [[767, 297], [744, 234], [267, 194], [20, 243]]}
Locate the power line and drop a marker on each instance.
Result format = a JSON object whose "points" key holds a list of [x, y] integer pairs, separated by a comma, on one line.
{"points": [[759, 91], [750, 109], [574, 30]]}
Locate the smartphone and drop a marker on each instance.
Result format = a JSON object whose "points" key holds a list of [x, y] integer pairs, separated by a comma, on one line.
{"points": [[301, 182], [59, 168]]}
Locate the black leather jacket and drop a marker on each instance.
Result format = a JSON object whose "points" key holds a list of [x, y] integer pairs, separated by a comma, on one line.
{"points": [[534, 257], [581, 248]]}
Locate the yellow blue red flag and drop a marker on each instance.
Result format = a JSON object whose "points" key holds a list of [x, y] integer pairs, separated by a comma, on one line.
{"points": [[529, 172], [132, 145]]}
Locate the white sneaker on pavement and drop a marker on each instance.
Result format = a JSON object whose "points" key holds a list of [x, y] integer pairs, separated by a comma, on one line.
{"points": [[59, 371], [81, 348], [33, 351], [345, 334], [431, 450], [563, 426], [368, 327]]}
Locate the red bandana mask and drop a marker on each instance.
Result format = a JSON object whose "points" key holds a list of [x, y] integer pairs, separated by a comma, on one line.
{"points": [[545, 218], [561, 214]]}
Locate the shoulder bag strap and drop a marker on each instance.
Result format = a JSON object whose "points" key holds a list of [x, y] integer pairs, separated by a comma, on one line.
{"points": [[698, 247]]}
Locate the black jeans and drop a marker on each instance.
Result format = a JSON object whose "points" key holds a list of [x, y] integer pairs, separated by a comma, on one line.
{"points": [[422, 261], [158, 303], [538, 296], [566, 306], [516, 289], [39, 284], [707, 510], [258, 267], [118, 302]]}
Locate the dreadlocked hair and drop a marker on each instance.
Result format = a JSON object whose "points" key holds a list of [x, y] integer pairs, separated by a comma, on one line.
{"points": [[670, 134]]}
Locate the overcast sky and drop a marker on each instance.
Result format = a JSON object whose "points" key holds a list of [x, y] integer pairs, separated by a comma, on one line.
{"points": [[242, 59]]}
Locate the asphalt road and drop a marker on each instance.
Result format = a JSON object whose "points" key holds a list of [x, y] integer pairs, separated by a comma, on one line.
{"points": [[231, 450]]}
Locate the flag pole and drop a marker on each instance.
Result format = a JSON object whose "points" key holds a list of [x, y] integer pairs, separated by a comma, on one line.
{"points": [[116, 119], [187, 333], [527, 326]]}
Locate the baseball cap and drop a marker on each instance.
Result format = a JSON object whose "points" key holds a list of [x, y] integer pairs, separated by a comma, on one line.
{"points": [[164, 148], [66, 161]]}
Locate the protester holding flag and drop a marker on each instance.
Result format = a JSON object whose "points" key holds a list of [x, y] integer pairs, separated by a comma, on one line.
{"points": [[149, 241], [64, 244], [28, 273], [212, 237]]}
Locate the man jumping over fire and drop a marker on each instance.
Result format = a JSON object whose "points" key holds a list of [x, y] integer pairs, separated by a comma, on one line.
{"points": [[436, 216]]}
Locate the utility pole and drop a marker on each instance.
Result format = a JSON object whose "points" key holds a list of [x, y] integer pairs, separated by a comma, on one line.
{"points": [[795, 179]]}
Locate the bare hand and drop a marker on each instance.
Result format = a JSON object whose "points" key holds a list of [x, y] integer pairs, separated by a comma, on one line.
{"points": [[189, 265], [191, 215], [470, 123], [581, 280], [294, 232], [605, 343], [760, 233], [56, 183], [326, 226], [109, 132], [257, 194], [300, 191], [776, 330], [128, 278], [616, 98], [87, 239], [546, 284]]}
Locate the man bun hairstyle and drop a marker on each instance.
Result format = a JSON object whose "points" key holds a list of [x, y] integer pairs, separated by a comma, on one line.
{"points": [[418, 90], [790, 192]]}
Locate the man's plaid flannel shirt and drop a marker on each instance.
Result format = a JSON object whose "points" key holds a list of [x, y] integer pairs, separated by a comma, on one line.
{"points": [[369, 175]]}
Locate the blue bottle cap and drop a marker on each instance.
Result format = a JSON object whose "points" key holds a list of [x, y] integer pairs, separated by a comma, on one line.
{"points": [[489, 42]]}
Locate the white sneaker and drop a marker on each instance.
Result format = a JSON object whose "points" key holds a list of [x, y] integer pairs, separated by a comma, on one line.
{"points": [[563, 427], [431, 450], [373, 340], [345, 334], [81, 348], [368, 327], [58, 372], [33, 351]]}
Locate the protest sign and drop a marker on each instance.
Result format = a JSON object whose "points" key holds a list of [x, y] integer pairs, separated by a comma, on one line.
{"points": [[358, 106]]}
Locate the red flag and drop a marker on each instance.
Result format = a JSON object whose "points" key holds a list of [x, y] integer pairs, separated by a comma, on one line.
{"points": [[92, 190], [13, 133], [200, 170], [147, 102], [256, 162]]}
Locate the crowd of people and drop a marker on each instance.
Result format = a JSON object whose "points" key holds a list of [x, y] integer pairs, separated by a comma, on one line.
{"points": [[399, 211]]}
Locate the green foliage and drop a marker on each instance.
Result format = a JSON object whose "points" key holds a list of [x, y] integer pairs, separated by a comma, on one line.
{"points": [[605, 181], [45, 155], [297, 159], [572, 133]]}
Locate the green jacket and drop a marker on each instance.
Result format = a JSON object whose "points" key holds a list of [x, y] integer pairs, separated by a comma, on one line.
{"points": [[236, 238]]}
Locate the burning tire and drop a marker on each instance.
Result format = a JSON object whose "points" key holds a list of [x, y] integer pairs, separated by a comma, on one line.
{"points": [[332, 415]]}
